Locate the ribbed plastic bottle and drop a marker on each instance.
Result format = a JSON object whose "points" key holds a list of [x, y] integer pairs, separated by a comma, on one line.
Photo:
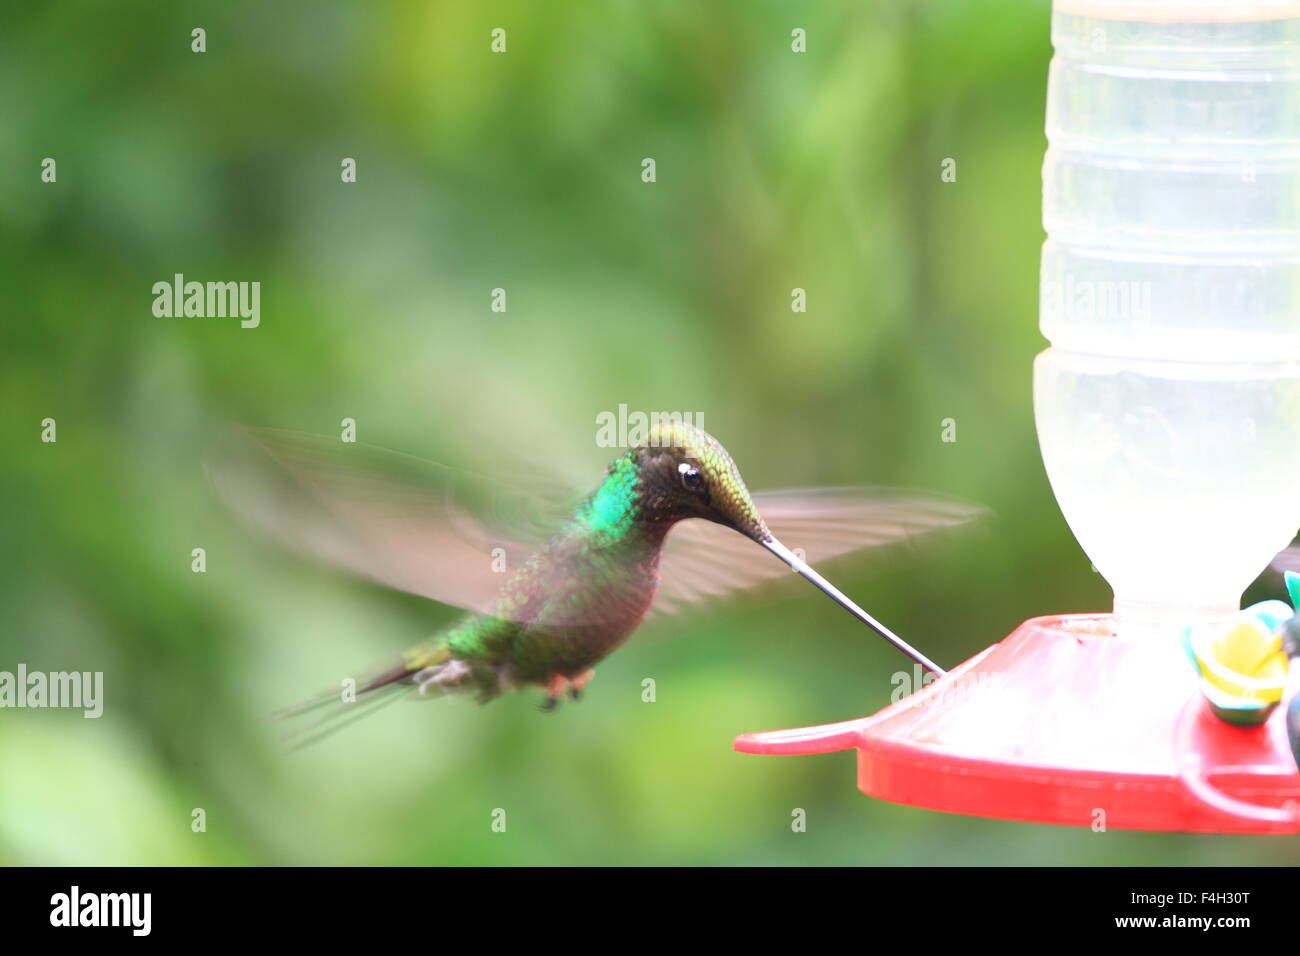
{"points": [[1168, 407]]}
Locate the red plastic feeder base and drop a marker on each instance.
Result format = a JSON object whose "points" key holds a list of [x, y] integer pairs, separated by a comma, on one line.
{"points": [[1068, 722]]}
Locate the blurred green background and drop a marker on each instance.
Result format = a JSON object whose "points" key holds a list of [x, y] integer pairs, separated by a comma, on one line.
{"points": [[477, 170]]}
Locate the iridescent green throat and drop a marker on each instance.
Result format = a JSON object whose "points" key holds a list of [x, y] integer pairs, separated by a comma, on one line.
{"points": [[610, 513]]}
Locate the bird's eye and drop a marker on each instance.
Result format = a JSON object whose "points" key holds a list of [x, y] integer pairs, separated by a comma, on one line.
{"points": [[692, 480]]}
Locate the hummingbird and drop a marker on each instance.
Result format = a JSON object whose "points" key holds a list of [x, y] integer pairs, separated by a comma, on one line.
{"points": [[670, 523]]}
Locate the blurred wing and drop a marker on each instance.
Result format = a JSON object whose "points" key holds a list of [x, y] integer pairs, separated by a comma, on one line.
{"points": [[404, 522], [705, 560]]}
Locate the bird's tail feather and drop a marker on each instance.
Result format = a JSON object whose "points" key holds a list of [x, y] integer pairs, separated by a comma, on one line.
{"points": [[331, 710]]}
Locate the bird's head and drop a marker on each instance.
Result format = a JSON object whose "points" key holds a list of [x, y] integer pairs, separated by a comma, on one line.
{"points": [[686, 473]]}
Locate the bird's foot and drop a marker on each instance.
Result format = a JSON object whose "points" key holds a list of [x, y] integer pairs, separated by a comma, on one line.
{"points": [[558, 684], [578, 683]]}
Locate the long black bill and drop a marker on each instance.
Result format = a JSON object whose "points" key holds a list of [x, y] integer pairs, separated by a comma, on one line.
{"points": [[836, 595]]}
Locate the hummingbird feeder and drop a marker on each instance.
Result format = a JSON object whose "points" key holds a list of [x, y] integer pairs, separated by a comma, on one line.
{"points": [[1168, 415]]}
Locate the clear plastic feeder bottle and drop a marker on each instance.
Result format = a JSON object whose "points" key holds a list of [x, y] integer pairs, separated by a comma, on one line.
{"points": [[1168, 406]]}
